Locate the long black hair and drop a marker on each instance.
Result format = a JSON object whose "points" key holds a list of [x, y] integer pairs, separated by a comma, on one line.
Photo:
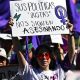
{"points": [[43, 48]]}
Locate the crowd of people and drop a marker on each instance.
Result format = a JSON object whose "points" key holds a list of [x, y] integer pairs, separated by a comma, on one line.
{"points": [[48, 61]]}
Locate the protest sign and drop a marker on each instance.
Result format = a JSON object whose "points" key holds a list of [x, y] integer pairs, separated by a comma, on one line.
{"points": [[7, 72], [34, 17], [56, 39]]}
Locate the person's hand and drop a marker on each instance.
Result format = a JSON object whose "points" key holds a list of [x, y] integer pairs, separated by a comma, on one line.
{"points": [[7, 29], [70, 26], [11, 22]]}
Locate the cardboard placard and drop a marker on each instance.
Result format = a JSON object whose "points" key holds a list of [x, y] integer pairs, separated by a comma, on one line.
{"points": [[38, 17]]}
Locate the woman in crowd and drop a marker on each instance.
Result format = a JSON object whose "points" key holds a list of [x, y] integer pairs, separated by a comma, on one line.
{"points": [[42, 64]]}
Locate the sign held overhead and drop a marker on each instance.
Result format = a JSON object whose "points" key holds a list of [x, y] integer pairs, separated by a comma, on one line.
{"points": [[33, 17]]}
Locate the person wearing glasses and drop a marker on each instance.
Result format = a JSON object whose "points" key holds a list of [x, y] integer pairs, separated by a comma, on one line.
{"points": [[42, 62]]}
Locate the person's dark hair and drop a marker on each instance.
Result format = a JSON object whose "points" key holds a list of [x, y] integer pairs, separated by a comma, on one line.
{"points": [[43, 48], [3, 58]]}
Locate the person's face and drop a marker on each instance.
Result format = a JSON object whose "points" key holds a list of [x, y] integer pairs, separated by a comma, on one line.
{"points": [[2, 61], [44, 60]]}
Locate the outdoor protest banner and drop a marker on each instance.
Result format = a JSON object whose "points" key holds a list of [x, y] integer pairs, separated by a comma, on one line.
{"points": [[39, 17], [8, 72]]}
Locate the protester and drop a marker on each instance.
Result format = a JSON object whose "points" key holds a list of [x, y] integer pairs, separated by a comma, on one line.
{"points": [[42, 67], [74, 73], [3, 57], [57, 53], [23, 64]]}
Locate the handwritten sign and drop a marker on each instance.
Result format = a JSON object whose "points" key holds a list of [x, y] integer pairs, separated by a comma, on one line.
{"points": [[38, 17]]}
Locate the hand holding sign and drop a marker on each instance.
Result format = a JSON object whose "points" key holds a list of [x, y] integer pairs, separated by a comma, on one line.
{"points": [[11, 22]]}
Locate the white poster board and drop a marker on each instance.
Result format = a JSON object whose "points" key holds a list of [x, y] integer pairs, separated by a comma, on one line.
{"points": [[56, 39], [39, 17]]}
